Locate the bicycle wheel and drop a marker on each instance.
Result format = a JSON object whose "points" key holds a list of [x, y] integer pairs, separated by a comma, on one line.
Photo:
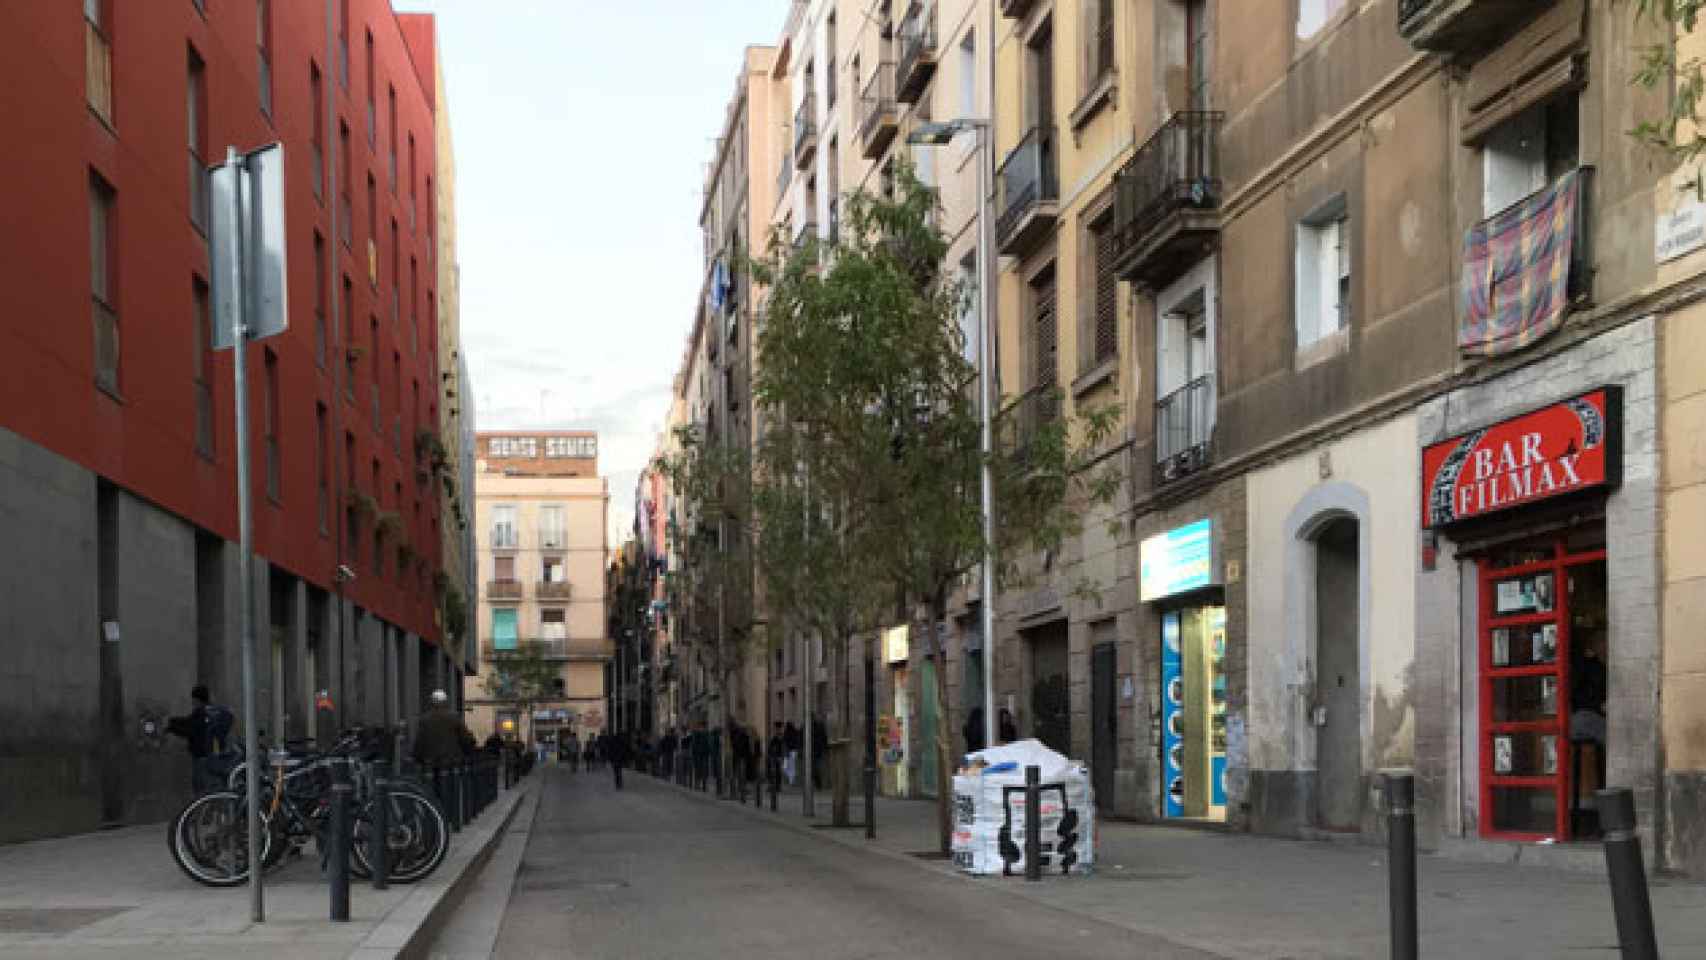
{"points": [[418, 837], [209, 839]]}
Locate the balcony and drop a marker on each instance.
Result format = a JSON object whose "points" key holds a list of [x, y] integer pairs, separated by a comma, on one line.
{"points": [[1167, 201], [548, 648], [1184, 424], [784, 177], [1026, 418], [503, 589], [1027, 193], [917, 53], [1461, 26], [805, 132], [551, 590], [878, 117], [1016, 9], [804, 234]]}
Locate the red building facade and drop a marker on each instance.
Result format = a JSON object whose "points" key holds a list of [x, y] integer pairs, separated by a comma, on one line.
{"points": [[107, 379]]}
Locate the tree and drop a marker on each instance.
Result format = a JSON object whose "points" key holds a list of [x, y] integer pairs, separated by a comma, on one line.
{"points": [[1673, 64], [523, 677]]}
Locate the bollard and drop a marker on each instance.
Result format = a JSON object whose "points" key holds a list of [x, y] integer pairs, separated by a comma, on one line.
{"points": [[1401, 862], [469, 811], [379, 842], [1628, 875], [338, 856], [1033, 824], [775, 783], [453, 797]]}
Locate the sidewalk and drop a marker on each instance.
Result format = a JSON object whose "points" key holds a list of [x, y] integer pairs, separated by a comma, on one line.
{"points": [[119, 894], [1246, 896]]}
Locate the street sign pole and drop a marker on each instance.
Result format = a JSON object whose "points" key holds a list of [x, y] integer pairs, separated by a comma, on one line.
{"points": [[247, 249], [245, 579]]}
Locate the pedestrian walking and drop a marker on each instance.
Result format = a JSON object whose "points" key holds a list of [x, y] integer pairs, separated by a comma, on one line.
{"points": [[738, 743], [616, 750], [574, 751], [442, 740], [792, 741], [666, 753], [973, 730], [1009, 731], [774, 751], [701, 750], [206, 730], [820, 745]]}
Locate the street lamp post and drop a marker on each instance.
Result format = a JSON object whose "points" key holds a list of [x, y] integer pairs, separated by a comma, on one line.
{"points": [[937, 134]]}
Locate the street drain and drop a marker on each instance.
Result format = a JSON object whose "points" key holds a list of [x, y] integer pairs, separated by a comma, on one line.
{"points": [[54, 919]]}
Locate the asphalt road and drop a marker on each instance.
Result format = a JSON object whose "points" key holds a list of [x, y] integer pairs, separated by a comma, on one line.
{"points": [[651, 872]]}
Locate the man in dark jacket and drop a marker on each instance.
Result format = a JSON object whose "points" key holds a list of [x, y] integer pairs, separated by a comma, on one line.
{"points": [[616, 751], [820, 744], [204, 729], [701, 752]]}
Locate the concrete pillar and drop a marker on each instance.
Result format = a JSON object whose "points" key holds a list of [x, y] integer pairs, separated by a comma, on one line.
{"points": [[409, 682]]}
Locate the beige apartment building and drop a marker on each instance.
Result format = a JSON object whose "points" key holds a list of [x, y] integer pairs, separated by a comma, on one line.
{"points": [[540, 522]]}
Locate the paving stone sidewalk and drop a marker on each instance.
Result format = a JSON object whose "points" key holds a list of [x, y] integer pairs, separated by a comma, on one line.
{"points": [[118, 893], [1259, 897]]}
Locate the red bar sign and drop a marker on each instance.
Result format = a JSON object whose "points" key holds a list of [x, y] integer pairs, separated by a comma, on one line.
{"points": [[1566, 448]]}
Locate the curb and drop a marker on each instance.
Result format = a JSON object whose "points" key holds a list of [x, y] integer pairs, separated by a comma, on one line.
{"points": [[409, 928]]}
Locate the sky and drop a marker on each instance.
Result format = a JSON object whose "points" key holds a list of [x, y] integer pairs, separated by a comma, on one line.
{"points": [[582, 130]]}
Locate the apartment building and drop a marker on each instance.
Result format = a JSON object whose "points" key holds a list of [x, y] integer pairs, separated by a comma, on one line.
{"points": [[540, 519], [117, 423]]}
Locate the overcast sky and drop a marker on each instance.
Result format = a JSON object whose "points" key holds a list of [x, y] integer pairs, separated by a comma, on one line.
{"points": [[582, 129]]}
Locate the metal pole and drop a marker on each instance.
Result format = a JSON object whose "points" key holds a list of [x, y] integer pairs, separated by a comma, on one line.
{"points": [[808, 684], [245, 582], [379, 843], [1033, 823], [871, 739], [1401, 862], [339, 715], [339, 855], [1628, 875], [985, 370]]}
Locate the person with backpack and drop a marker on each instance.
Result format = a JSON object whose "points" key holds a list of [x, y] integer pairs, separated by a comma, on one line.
{"points": [[206, 730]]}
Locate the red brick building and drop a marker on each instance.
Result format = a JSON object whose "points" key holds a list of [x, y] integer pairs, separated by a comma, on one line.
{"points": [[117, 465]]}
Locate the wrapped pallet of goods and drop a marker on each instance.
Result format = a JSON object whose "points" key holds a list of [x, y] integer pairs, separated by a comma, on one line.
{"points": [[990, 812]]}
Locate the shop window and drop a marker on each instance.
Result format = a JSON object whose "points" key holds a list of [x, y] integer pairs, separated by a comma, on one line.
{"points": [[1543, 649], [1193, 713]]}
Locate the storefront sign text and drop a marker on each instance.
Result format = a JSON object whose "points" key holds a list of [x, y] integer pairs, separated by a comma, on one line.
{"points": [[1565, 448], [1176, 561]]}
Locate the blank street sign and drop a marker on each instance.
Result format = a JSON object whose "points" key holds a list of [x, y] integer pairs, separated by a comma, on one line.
{"points": [[261, 174]]}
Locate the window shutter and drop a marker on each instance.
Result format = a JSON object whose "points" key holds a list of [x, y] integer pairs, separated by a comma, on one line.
{"points": [[1107, 296]]}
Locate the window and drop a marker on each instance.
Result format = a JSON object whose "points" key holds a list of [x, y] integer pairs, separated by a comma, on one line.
{"points": [[970, 328], [1184, 370], [1045, 373], [968, 75], [1524, 154], [829, 60], [552, 531], [372, 114], [378, 531], [414, 287], [503, 569], [344, 212], [270, 417], [98, 58], [196, 111], [1197, 49], [263, 47], [503, 628], [1312, 15], [1098, 333], [317, 98], [102, 281], [554, 570], [503, 527], [411, 183], [391, 98], [553, 624], [323, 468], [1323, 274], [353, 352], [566, 447], [320, 300], [372, 230], [1098, 40], [397, 404], [343, 44], [203, 340], [373, 368]]}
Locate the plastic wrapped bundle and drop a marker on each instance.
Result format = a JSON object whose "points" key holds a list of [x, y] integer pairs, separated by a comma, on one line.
{"points": [[990, 811]]}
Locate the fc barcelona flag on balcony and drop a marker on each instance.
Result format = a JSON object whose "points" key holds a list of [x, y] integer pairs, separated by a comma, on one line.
{"points": [[1516, 270]]}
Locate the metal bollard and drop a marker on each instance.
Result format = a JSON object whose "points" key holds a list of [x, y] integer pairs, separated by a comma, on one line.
{"points": [[1628, 875], [453, 797], [1401, 862], [469, 811], [775, 783], [338, 856], [1033, 823], [379, 842]]}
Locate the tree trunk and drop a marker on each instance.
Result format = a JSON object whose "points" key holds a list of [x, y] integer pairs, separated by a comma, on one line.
{"points": [[836, 754], [944, 728]]}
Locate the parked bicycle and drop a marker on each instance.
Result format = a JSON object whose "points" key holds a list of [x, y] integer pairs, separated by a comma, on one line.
{"points": [[209, 837]]}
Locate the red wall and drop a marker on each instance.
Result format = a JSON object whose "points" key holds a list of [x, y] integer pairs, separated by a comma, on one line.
{"points": [[145, 442]]}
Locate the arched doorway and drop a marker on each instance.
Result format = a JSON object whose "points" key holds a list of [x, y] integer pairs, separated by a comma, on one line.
{"points": [[1338, 674]]}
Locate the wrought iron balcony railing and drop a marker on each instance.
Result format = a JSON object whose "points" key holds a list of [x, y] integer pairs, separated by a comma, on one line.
{"points": [[917, 52], [805, 131], [1027, 190], [1184, 424], [1167, 198], [503, 589], [878, 115]]}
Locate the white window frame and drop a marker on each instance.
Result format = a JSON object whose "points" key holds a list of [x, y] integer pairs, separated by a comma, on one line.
{"points": [[553, 527], [1171, 338], [1323, 257], [1313, 15], [503, 527]]}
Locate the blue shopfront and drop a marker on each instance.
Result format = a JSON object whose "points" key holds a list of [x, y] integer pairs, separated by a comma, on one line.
{"points": [[1177, 573]]}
